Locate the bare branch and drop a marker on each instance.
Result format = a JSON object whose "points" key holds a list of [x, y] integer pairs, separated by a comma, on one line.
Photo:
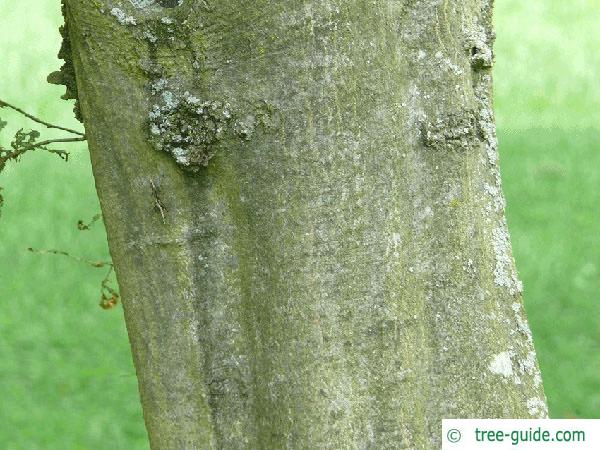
{"points": [[40, 121], [4, 158], [82, 226], [76, 258], [109, 297]]}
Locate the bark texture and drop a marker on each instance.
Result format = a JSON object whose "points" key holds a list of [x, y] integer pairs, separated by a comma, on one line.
{"points": [[304, 209]]}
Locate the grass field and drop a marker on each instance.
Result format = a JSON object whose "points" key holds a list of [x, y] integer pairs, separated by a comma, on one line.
{"points": [[66, 376]]}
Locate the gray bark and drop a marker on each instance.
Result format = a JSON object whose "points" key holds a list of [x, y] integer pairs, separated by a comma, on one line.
{"points": [[304, 209]]}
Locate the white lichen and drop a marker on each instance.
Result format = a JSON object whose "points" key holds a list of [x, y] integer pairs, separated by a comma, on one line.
{"points": [[191, 99], [150, 37], [528, 364], [155, 112], [123, 18], [181, 156], [497, 199], [523, 327], [245, 128], [501, 364], [441, 61], [142, 3], [537, 407], [504, 273], [139, 4], [170, 102], [158, 85], [485, 119]]}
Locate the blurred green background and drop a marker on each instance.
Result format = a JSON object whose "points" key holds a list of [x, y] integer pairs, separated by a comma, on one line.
{"points": [[66, 376]]}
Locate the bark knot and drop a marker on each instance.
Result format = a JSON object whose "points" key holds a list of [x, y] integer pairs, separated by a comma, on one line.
{"points": [[192, 129], [66, 75], [452, 131]]}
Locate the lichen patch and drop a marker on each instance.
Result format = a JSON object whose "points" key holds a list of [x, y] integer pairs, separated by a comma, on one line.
{"points": [[189, 128], [537, 408], [142, 3], [504, 273], [501, 364], [497, 203], [122, 17]]}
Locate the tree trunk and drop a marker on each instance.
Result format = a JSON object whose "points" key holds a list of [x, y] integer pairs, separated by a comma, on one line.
{"points": [[304, 209]]}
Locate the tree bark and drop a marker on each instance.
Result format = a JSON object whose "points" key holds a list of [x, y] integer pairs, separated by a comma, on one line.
{"points": [[304, 210]]}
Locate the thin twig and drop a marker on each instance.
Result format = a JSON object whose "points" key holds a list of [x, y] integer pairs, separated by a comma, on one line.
{"points": [[19, 151], [35, 119], [109, 297], [76, 258], [52, 141], [82, 226]]}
